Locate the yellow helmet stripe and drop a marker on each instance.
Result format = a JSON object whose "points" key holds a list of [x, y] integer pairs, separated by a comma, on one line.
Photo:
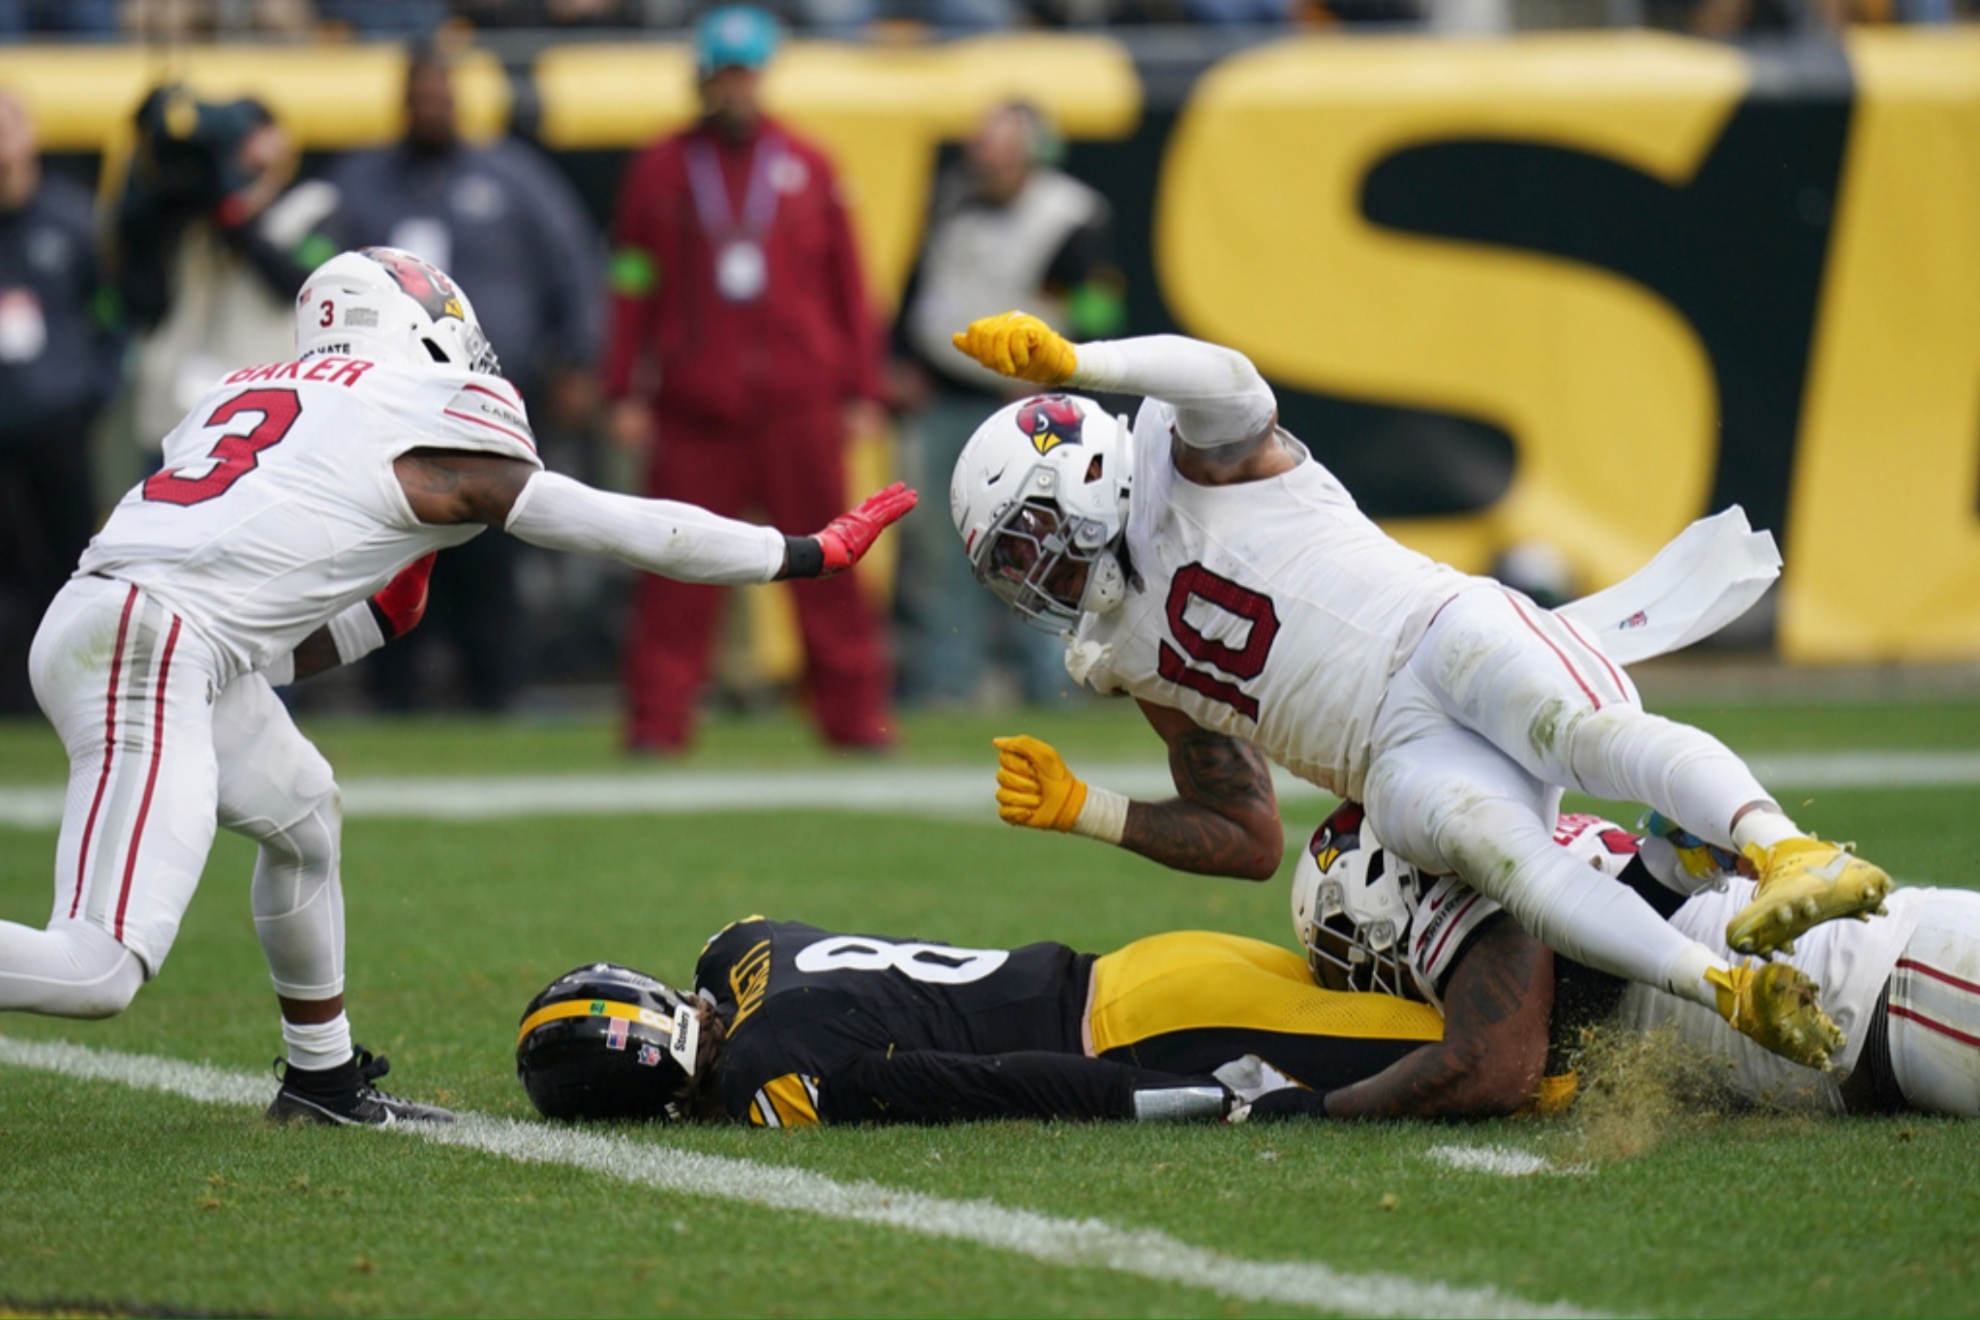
{"points": [[592, 1008]]}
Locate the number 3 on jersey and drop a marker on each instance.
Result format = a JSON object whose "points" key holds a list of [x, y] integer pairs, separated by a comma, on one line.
{"points": [[235, 454], [1195, 582]]}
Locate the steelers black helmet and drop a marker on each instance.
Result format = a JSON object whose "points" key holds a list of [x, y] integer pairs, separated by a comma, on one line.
{"points": [[604, 1041]]}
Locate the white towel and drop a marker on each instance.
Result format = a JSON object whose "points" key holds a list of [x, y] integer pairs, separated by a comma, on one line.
{"points": [[1709, 575]]}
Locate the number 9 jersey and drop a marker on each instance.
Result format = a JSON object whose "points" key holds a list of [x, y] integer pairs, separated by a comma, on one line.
{"points": [[1272, 611], [278, 505]]}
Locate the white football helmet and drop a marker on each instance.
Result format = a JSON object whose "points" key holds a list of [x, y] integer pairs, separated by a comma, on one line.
{"points": [[1040, 499], [1371, 921], [1352, 904], [388, 303]]}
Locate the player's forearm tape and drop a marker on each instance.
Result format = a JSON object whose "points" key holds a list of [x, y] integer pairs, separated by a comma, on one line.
{"points": [[1219, 397], [679, 541], [1104, 815], [356, 633], [1180, 1104]]}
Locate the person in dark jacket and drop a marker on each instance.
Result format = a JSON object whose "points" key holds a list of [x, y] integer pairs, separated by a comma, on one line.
{"points": [[509, 226], [741, 355], [58, 366]]}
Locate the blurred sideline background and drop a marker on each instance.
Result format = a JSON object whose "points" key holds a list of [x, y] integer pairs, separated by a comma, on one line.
{"points": [[1541, 280]]}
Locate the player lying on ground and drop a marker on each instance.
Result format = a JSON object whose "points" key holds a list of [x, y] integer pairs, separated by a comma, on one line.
{"points": [[290, 495], [1208, 566], [791, 1025], [1904, 988]]}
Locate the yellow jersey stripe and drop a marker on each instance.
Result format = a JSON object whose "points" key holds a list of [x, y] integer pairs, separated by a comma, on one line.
{"points": [[794, 1100]]}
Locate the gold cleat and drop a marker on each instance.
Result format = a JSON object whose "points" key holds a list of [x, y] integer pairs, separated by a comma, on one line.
{"points": [[1773, 1004], [1803, 883]]}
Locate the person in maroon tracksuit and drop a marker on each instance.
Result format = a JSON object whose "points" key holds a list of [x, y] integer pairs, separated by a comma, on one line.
{"points": [[740, 354]]}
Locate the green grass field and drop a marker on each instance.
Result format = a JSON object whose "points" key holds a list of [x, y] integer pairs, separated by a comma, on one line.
{"points": [[114, 1197]]}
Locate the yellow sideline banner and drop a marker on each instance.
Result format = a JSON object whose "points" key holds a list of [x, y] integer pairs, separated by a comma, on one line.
{"points": [[1580, 367], [1298, 172], [330, 98], [1884, 545]]}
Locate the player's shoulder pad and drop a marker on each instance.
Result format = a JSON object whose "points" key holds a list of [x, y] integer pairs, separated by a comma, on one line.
{"points": [[485, 414], [734, 965]]}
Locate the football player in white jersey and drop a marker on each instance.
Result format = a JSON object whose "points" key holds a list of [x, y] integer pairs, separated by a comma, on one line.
{"points": [[1906, 989], [1207, 565], [289, 496]]}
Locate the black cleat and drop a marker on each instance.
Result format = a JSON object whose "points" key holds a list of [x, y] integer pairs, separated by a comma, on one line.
{"points": [[346, 1094]]}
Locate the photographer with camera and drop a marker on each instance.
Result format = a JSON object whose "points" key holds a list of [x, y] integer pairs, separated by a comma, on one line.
{"points": [[212, 244]]}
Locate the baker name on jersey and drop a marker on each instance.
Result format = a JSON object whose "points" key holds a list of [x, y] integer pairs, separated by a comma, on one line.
{"points": [[333, 369]]}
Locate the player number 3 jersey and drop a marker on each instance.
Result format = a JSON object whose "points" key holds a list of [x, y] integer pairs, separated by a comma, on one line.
{"points": [[277, 505]]}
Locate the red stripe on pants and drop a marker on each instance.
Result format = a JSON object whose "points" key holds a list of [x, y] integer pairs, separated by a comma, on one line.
{"points": [[1932, 1024], [1913, 965], [1573, 673], [109, 746], [1596, 651], [151, 779]]}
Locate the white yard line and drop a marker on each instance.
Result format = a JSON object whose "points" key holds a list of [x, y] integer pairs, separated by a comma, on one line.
{"points": [[1505, 1161], [950, 791], [1073, 1243]]}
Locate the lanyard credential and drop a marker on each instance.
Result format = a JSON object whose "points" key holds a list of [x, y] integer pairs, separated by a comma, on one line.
{"points": [[741, 272]]}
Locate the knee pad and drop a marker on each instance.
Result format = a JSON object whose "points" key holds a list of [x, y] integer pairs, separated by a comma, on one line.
{"points": [[73, 969], [298, 903]]}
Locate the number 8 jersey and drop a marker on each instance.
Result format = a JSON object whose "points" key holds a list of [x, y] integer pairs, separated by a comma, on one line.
{"points": [[799, 1000], [1273, 611], [278, 506]]}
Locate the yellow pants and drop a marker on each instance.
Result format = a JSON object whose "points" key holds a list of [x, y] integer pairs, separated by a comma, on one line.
{"points": [[1190, 1001]]}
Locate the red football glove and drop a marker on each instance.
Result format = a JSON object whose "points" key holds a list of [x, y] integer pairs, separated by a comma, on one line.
{"points": [[401, 603], [850, 535]]}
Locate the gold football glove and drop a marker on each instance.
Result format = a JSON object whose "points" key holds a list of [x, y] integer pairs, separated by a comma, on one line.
{"points": [[1034, 788], [1020, 345]]}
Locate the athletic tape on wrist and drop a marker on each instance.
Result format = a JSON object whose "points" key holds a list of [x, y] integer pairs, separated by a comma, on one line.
{"points": [[1104, 816], [356, 633]]}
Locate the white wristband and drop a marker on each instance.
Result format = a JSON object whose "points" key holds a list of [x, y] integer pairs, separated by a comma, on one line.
{"points": [[356, 633], [1103, 816]]}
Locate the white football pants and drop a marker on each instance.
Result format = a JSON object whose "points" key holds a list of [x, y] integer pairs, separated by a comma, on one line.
{"points": [[161, 748], [1501, 706], [1935, 1008]]}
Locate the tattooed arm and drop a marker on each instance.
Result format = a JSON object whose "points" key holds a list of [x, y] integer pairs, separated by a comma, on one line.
{"points": [[1496, 1009], [446, 487], [1224, 819]]}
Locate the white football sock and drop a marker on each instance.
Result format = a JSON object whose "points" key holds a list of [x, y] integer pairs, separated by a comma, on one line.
{"points": [[1766, 827], [314, 1046], [1686, 977]]}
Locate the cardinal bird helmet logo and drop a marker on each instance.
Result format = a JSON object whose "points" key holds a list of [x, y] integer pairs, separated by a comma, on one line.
{"points": [[423, 283], [1050, 420]]}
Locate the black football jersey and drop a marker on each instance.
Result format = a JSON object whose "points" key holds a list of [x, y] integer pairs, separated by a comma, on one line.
{"points": [[801, 1003]]}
